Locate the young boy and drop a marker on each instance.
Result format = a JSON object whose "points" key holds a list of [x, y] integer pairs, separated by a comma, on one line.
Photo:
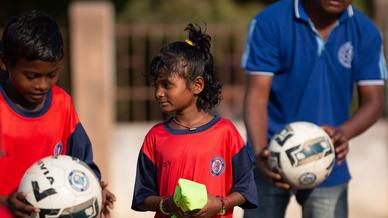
{"points": [[37, 118]]}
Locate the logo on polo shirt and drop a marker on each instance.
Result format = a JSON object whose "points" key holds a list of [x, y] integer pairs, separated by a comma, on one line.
{"points": [[345, 55]]}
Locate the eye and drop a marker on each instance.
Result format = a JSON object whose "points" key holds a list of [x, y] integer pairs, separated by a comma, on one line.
{"points": [[52, 75], [31, 76], [166, 84]]}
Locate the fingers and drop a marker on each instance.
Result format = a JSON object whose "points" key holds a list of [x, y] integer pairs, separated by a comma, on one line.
{"points": [[108, 200], [340, 142], [262, 162], [17, 204], [103, 184]]}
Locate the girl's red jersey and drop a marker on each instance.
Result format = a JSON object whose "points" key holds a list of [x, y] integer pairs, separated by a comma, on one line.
{"points": [[213, 154]]}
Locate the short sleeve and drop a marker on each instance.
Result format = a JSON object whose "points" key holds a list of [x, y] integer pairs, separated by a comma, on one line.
{"points": [[146, 181], [79, 144], [243, 179], [369, 65], [261, 54]]}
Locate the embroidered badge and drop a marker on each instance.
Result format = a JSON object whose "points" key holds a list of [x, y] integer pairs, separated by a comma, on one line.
{"points": [[217, 166], [345, 55], [58, 148]]}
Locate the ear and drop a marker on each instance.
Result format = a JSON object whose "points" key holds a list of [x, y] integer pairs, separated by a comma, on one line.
{"points": [[198, 85], [2, 62]]}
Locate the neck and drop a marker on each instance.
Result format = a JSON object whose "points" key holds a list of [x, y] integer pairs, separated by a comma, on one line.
{"points": [[19, 100], [321, 19], [192, 122]]}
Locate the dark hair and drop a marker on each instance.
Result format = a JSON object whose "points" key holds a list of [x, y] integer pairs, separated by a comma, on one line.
{"points": [[190, 59], [32, 35]]}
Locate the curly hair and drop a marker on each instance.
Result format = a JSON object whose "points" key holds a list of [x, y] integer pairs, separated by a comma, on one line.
{"points": [[190, 59]]}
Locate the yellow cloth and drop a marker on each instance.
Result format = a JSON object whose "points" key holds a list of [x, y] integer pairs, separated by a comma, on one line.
{"points": [[190, 195]]}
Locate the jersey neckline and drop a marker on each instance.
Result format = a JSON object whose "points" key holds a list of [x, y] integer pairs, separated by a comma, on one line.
{"points": [[188, 131], [26, 113]]}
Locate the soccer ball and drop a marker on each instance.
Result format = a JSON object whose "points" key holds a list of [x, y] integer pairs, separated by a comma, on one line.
{"points": [[62, 186], [303, 154]]}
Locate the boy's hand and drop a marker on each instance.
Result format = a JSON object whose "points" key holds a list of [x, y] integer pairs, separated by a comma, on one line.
{"points": [[16, 205], [262, 164], [108, 199], [340, 142]]}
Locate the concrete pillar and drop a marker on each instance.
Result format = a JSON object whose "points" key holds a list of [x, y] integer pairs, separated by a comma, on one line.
{"points": [[93, 78]]}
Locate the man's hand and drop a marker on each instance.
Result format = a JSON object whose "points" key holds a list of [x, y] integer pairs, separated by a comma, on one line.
{"points": [[262, 164], [340, 142]]}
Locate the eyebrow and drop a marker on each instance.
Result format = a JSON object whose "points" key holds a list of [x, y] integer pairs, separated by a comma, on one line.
{"points": [[52, 71]]}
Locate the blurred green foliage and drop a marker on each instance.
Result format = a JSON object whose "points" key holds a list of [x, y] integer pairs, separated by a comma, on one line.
{"points": [[160, 10], [187, 10], [202, 10]]}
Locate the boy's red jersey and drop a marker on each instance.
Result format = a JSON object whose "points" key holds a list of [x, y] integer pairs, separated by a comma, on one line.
{"points": [[213, 154], [26, 137]]}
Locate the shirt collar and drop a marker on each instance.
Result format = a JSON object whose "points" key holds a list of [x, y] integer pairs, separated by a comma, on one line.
{"points": [[300, 13]]}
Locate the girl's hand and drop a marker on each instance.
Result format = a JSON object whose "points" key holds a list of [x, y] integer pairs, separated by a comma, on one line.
{"points": [[262, 164], [108, 199], [212, 207], [169, 206], [16, 205], [340, 142]]}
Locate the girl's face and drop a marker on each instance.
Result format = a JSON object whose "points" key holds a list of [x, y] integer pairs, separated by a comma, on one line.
{"points": [[173, 94]]}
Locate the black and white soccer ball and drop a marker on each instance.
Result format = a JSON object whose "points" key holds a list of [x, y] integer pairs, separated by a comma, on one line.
{"points": [[62, 186], [303, 154]]}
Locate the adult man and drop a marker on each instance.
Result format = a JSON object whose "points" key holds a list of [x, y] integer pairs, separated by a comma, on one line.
{"points": [[303, 58]]}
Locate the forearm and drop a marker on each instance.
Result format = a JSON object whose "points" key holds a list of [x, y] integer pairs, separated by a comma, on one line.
{"points": [[255, 110], [233, 199], [369, 111], [256, 121], [151, 203]]}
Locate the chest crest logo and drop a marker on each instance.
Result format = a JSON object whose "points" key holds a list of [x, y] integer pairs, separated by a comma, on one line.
{"points": [[217, 166], [345, 55], [58, 148]]}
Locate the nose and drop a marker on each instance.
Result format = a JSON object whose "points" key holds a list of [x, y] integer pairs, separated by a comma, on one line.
{"points": [[42, 84], [159, 92]]}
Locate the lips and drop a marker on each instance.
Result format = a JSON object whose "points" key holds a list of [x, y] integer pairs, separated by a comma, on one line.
{"points": [[163, 103], [38, 97]]}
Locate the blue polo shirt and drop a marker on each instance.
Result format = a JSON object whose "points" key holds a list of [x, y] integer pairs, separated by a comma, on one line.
{"points": [[313, 78]]}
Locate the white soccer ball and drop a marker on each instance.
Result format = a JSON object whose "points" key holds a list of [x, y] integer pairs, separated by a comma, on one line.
{"points": [[303, 154], [62, 186]]}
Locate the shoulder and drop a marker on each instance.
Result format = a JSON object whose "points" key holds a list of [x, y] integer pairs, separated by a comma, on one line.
{"points": [[228, 126], [61, 94], [276, 11], [364, 24], [61, 99], [273, 19], [156, 130]]}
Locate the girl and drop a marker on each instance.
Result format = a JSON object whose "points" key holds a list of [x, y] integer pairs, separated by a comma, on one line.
{"points": [[192, 144]]}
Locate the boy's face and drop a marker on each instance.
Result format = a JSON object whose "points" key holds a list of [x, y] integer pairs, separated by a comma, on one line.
{"points": [[31, 81]]}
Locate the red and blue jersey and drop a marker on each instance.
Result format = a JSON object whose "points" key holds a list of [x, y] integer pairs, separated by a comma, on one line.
{"points": [[26, 137], [213, 154]]}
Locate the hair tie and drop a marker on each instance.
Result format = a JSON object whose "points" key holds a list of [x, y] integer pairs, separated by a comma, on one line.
{"points": [[189, 42]]}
